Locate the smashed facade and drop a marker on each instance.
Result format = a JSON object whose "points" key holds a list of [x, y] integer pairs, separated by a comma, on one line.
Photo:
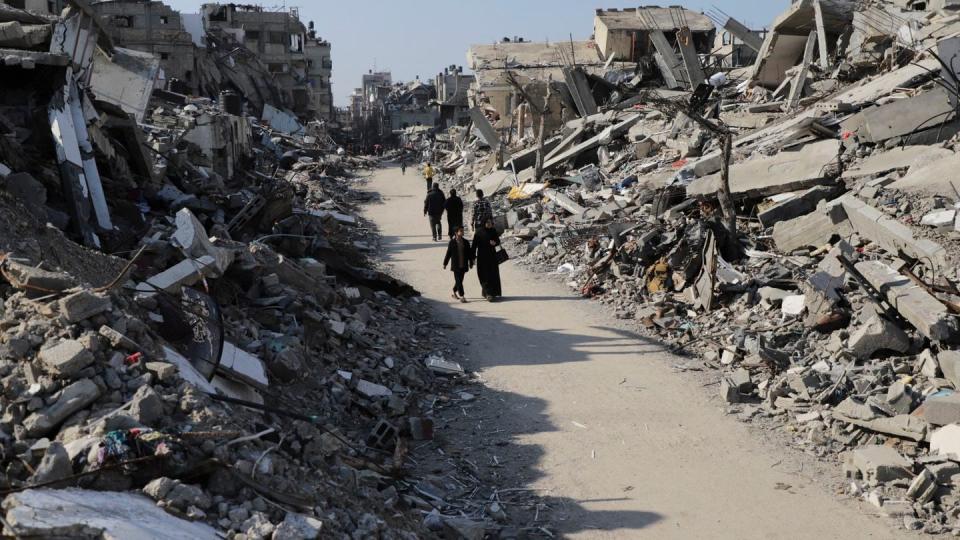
{"points": [[278, 38], [153, 27]]}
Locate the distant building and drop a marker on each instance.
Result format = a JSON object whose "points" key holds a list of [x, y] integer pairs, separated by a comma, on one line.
{"points": [[319, 71], [153, 27], [277, 37], [528, 62], [625, 33], [410, 105], [453, 89]]}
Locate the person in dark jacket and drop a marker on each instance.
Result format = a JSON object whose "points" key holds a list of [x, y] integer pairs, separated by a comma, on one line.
{"points": [[433, 206], [460, 258], [454, 208], [485, 242], [482, 211]]}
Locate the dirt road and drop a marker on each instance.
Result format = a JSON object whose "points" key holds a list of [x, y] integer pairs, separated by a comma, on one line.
{"points": [[637, 449]]}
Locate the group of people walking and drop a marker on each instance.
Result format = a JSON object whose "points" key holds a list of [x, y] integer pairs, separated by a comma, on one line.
{"points": [[463, 254]]}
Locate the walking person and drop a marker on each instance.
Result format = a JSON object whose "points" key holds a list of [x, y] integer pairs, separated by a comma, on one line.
{"points": [[403, 166], [428, 173], [460, 257], [454, 208], [433, 206], [485, 242], [482, 211]]}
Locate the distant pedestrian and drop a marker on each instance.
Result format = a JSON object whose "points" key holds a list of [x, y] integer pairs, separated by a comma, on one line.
{"points": [[433, 207], [454, 208], [428, 173], [403, 166], [482, 211], [460, 257], [485, 242]]}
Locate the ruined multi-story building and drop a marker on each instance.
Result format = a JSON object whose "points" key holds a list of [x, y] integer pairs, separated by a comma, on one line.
{"points": [[319, 70], [152, 26], [38, 6], [277, 37], [452, 92]]}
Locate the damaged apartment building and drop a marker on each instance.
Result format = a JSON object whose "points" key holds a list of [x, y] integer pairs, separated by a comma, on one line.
{"points": [[155, 28], [266, 56], [659, 46]]}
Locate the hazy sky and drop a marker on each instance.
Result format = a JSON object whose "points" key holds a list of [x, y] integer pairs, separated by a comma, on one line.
{"points": [[421, 37]]}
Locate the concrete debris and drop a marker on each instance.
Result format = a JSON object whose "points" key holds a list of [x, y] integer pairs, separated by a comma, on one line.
{"points": [[794, 225], [76, 513], [876, 465], [213, 351]]}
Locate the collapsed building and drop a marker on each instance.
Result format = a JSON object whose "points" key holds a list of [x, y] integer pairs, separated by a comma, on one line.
{"points": [[194, 341], [153, 27], [791, 225], [266, 57]]}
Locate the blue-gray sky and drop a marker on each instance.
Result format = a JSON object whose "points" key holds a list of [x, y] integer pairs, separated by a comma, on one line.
{"points": [[421, 37]]}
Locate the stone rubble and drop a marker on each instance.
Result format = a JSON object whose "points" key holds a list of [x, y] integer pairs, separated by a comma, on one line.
{"points": [[830, 314]]}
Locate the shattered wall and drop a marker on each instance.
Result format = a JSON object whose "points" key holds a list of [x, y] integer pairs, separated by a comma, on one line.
{"points": [[152, 26]]}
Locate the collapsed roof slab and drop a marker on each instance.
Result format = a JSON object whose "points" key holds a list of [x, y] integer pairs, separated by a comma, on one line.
{"points": [[901, 157], [784, 44], [927, 314], [786, 171], [934, 177]]}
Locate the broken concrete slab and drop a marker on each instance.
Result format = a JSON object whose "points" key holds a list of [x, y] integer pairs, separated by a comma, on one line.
{"points": [[66, 358], [564, 202], [80, 513], [191, 236], [949, 362], [495, 181], [927, 314], [939, 218], [609, 133], [865, 416], [799, 205], [935, 177], [940, 410], [814, 229], [876, 465], [891, 235], [23, 276], [901, 157], [946, 441], [483, 125], [878, 334], [900, 117], [82, 305], [66, 402], [240, 361], [182, 274], [786, 171], [125, 78]]}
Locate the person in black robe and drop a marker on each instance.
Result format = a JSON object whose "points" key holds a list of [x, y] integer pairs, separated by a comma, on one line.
{"points": [[460, 258], [454, 208], [485, 242]]}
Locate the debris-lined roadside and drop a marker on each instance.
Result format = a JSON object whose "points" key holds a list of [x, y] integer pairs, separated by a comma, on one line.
{"points": [[242, 370], [810, 262]]}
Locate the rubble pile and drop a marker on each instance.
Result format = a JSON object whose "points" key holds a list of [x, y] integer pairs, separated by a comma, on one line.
{"points": [[792, 222], [237, 368]]}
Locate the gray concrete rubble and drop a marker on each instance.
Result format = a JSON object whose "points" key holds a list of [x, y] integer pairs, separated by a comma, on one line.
{"points": [[813, 274], [781, 208], [192, 386]]}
